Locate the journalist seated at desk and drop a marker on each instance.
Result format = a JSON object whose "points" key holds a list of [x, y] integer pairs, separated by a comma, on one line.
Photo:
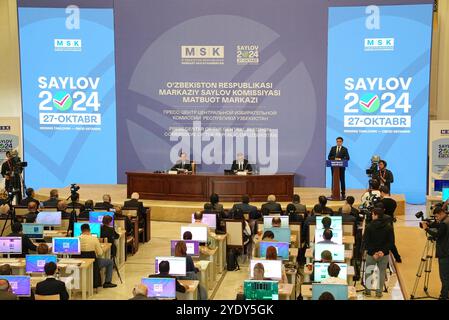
{"points": [[62, 207], [53, 200], [241, 164], [88, 208], [27, 244], [214, 204], [271, 205], [106, 204], [333, 271], [164, 272], [293, 215], [246, 207], [31, 216], [327, 237], [90, 243], [322, 203], [52, 286], [183, 163], [109, 233], [300, 208]]}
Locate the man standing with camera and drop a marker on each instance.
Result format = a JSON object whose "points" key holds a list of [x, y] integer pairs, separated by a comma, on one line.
{"points": [[439, 230], [7, 170]]}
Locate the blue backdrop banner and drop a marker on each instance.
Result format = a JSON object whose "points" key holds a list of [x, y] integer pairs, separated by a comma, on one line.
{"points": [[378, 91], [68, 93]]}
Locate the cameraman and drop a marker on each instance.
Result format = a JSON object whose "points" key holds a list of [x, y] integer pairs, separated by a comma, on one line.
{"points": [[7, 170], [440, 231], [384, 175]]}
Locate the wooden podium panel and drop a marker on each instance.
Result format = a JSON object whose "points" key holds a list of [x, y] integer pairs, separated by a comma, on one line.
{"points": [[199, 187]]}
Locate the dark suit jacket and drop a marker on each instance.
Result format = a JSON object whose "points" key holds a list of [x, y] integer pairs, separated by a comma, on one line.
{"points": [[7, 167], [30, 217], [111, 235], [246, 166], [178, 165], [51, 286], [52, 202], [245, 207], [388, 176], [65, 214], [344, 154], [179, 286], [133, 203], [25, 201], [27, 245], [84, 214], [272, 206], [76, 205], [103, 205]]}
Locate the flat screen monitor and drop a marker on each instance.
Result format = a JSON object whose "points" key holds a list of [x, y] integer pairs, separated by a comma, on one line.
{"points": [[198, 233], [267, 221], [193, 247], [337, 250], [445, 194], [280, 234], [11, 245], [36, 262], [261, 290], [272, 268], [160, 288], [97, 217], [282, 249], [49, 218], [66, 246], [208, 218], [177, 265], [320, 271], [339, 291], [95, 229], [337, 222], [337, 236], [440, 184], [20, 285], [33, 230]]}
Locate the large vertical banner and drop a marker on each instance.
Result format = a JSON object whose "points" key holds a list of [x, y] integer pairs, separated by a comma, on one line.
{"points": [[378, 91], [438, 153], [68, 94]]}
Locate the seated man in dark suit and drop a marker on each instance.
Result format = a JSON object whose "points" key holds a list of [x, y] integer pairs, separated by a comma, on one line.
{"points": [[75, 202], [54, 198], [241, 164], [322, 202], [109, 233], [27, 245], [88, 207], [164, 272], [62, 207], [51, 286], [293, 215], [106, 204], [272, 205], [30, 197], [135, 203], [30, 217], [246, 207], [183, 163]]}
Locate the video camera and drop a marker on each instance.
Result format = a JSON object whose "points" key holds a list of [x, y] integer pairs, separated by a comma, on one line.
{"points": [[430, 221], [374, 168], [366, 208], [17, 163], [74, 192]]}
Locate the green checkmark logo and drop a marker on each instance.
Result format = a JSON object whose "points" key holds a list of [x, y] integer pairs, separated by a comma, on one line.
{"points": [[369, 103], [62, 101]]}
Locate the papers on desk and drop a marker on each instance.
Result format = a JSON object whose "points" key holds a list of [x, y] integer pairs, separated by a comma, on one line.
{"points": [[70, 261]]}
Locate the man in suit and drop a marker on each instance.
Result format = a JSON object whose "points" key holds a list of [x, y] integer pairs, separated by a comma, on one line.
{"points": [[164, 272], [271, 205], [30, 197], [183, 163], [27, 245], [54, 198], [135, 203], [88, 207], [31, 216], [241, 164], [7, 169], [6, 290], [106, 204], [52, 286], [109, 233], [246, 207], [62, 207], [385, 176], [339, 152]]}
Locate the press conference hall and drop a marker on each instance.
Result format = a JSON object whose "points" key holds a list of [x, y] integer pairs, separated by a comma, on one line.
{"points": [[197, 151]]}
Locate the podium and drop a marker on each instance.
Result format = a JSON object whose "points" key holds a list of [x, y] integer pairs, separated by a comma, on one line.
{"points": [[336, 177]]}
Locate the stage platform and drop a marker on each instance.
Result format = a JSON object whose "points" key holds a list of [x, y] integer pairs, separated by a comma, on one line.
{"points": [[180, 211]]}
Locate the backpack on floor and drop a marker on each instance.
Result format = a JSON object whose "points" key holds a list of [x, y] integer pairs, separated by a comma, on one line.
{"points": [[231, 261]]}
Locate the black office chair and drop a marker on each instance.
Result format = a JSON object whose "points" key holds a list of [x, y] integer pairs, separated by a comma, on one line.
{"points": [[97, 274]]}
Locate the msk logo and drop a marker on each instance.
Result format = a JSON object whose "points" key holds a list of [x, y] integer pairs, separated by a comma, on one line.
{"points": [[200, 52], [379, 44], [67, 44], [444, 132]]}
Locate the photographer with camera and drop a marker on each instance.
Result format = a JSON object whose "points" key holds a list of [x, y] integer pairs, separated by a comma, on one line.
{"points": [[384, 175], [439, 230], [7, 169]]}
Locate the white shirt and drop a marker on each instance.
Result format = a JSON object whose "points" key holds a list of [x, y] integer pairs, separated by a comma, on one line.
{"points": [[334, 280]]}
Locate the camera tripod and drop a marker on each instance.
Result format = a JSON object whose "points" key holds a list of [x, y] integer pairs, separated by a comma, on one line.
{"points": [[426, 265], [11, 216]]}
